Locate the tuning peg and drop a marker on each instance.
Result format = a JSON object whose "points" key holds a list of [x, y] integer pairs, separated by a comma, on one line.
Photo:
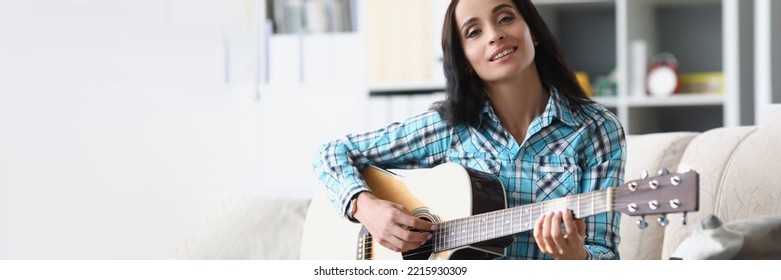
{"points": [[644, 174], [675, 203], [641, 223], [683, 168], [663, 221], [653, 204], [663, 171], [684, 218], [654, 184]]}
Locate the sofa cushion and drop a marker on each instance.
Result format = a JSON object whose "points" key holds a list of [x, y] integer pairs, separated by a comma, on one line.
{"points": [[649, 152]]}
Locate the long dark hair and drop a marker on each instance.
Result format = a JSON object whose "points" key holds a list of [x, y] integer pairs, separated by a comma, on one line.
{"points": [[465, 90]]}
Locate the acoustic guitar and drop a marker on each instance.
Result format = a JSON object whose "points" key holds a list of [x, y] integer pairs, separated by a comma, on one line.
{"points": [[469, 208]]}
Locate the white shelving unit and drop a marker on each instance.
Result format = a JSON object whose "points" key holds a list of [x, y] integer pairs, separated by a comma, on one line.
{"points": [[767, 36], [598, 35]]}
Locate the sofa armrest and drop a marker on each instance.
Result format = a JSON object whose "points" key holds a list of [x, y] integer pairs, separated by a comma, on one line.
{"points": [[739, 175]]}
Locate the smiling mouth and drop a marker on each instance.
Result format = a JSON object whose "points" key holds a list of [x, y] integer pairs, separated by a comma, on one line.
{"points": [[504, 53]]}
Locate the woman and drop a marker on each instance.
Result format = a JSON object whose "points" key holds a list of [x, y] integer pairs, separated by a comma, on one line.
{"points": [[513, 106]]}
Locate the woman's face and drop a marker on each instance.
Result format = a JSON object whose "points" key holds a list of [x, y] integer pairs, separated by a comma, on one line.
{"points": [[497, 42]]}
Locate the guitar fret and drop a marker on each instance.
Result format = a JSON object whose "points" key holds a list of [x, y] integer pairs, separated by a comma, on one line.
{"points": [[488, 222], [479, 229], [493, 220], [485, 222], [476, 229], [459, 234], [468, 238], [448, 237], [462, 229], [578, 211], [455, 234], [504, 219], [488, 233], [480, 232], [470, 225], [466, 233]]}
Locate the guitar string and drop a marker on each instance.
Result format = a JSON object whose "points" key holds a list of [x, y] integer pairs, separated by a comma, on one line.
{"points": [[474, 231], [463, 239], [459, 241], [452, 243], [437, 245]]}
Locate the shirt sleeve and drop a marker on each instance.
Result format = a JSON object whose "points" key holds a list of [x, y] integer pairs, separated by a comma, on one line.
{"points": [[417, 142], [605, 170]]}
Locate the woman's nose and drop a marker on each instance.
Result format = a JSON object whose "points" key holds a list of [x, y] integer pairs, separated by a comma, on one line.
{"points": [[497, 36]]}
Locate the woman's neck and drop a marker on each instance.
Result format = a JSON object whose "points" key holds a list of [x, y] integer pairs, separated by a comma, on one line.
{"points": [[517, 102]]}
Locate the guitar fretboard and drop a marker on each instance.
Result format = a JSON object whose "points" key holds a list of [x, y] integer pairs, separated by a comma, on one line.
{"points": [[486, 226]]}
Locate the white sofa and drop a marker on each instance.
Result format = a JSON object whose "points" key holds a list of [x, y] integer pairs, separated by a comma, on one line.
{"points": [[739, 179]]}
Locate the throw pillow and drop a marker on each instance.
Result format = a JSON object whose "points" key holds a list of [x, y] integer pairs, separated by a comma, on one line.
{"points": [[758, 238]]}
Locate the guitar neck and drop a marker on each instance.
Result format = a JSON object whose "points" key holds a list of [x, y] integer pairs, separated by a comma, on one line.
{"points": [[486, 226]]}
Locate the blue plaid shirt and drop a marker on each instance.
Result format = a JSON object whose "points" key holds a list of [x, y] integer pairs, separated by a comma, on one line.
{"points": [[588, 141]]}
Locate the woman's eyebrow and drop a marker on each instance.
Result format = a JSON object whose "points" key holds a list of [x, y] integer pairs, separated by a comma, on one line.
{"points": [[493, 11]]}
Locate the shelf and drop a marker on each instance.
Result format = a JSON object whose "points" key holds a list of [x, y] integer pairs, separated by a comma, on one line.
{"points": [[679, 100], [539, 3], [683, 2]]}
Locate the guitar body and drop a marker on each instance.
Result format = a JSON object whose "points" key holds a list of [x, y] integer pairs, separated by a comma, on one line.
{"points": [[446, 192]]}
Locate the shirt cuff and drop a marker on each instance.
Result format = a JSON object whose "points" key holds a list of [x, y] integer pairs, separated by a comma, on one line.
{"points": [[601, 253], [353, 194]]}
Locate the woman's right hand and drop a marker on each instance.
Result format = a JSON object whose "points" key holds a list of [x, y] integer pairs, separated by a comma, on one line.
{"points": [[390, 224]]}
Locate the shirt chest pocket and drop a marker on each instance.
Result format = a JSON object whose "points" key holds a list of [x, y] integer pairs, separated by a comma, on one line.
{"points": [[478, 161], [554, 176]]}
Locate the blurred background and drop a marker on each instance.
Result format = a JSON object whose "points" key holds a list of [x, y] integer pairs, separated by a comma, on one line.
{"points": [[124, 122]]}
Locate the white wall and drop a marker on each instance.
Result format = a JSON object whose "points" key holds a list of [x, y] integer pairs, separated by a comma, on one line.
{"points": [[120, 129]]}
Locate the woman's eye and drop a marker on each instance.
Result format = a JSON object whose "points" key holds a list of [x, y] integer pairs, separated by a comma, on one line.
{"points": [[506, 19], [472, 33]]}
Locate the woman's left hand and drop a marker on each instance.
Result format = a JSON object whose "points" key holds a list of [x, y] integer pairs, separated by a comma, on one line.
{"points": [[562, 245]]}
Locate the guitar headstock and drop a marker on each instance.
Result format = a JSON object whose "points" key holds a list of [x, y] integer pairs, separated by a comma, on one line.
{"points": [[662, 194]]}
